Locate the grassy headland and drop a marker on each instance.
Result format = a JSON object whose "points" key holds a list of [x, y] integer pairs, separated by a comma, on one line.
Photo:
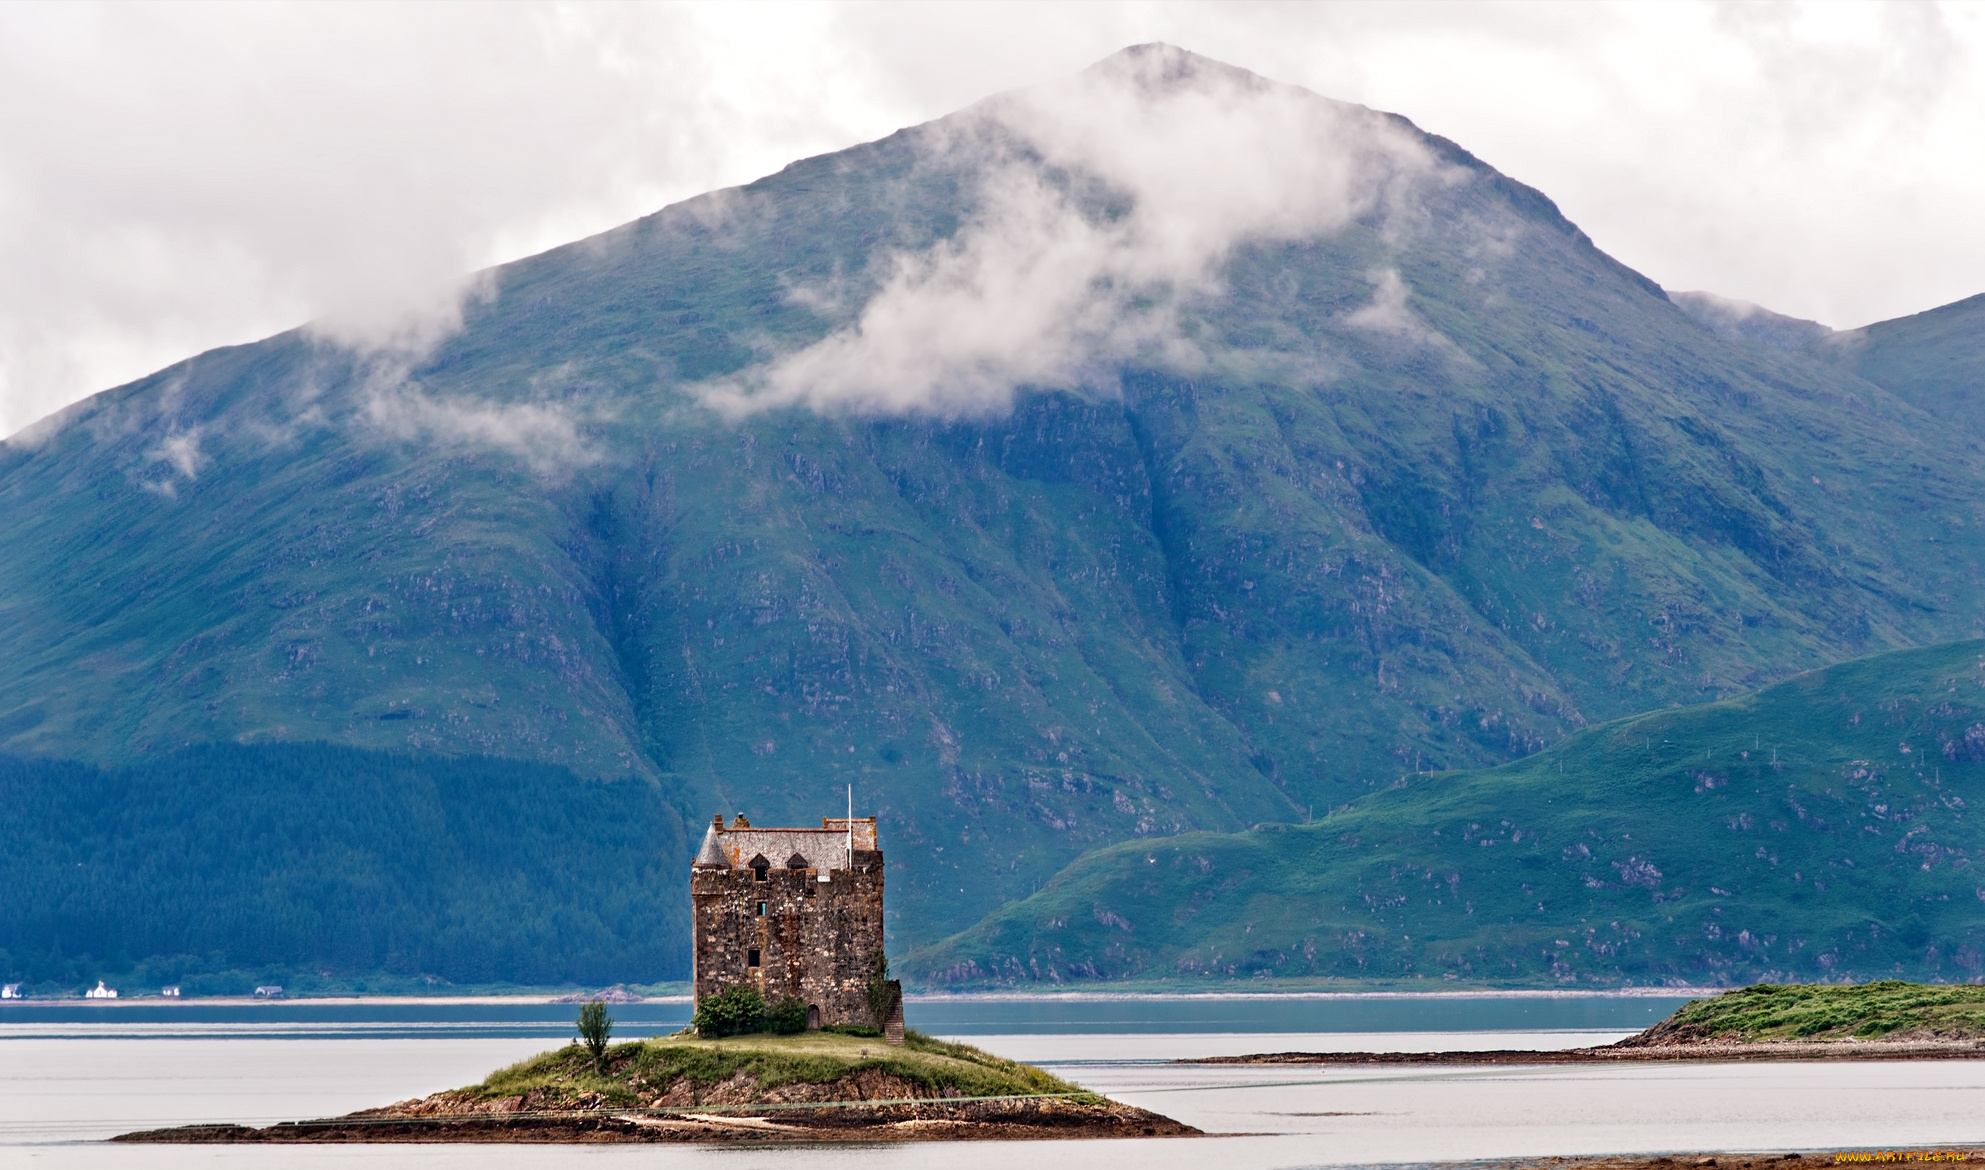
{"points": [[1766, 1013], [1888, 1020]]}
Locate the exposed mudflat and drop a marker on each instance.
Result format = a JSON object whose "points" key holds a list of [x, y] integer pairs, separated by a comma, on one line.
{"points": [[1627, 1052], [1750, 1161]]}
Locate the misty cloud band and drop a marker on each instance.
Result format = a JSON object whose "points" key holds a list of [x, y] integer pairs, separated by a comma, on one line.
{"points": [[1105, 202]]}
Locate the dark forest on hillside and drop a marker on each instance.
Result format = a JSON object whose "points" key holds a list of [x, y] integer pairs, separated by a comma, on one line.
{"points": [[224, 866]]}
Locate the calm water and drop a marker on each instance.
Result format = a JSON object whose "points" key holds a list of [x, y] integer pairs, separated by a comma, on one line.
{"points": [[71, 1074], [1391, 1013], [303, 1019]]}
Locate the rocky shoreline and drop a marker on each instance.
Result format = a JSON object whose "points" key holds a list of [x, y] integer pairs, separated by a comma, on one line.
{"points": [[934, 1120], [867, 1106]]}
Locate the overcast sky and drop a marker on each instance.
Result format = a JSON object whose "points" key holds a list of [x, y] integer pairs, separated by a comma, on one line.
{"points": [[174, 178]]}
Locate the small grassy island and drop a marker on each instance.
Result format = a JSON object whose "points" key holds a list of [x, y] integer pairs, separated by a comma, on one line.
{"points": [[813, 1086], [1890, 1011]]}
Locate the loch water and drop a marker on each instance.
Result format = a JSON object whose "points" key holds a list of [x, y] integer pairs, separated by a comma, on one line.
{"points": [[73, 1074]]}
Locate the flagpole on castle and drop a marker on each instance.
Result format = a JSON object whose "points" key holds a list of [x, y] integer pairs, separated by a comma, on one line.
{"points": [[851, 826]]}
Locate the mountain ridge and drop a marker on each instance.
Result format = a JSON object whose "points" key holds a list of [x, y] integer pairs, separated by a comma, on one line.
{"points": [[1743, 321], [1934, 360]]}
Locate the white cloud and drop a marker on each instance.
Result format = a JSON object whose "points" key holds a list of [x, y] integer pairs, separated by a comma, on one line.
{"points": [[1105, 198], [409, 322], [174, 178], [1388, 313], [178, 177], [182, 450], [1021, 296], [179, 450], [545, 436]]}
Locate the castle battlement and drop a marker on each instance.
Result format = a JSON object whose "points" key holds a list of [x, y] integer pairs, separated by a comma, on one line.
{"points": [[821, 849]]}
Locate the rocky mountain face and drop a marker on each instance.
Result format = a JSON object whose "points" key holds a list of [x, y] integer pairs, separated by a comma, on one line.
{"points": [[1164, 450]]}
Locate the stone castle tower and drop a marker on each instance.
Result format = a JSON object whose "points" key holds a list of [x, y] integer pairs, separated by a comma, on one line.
{"points": [[791, 912]]}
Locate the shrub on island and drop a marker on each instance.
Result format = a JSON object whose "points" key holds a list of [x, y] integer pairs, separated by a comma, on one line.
{"points": [[737, 1010], [786, 1015]]}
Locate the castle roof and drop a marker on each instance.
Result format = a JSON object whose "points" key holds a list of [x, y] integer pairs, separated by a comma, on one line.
{"points": [[711, 856], [823, 848]]}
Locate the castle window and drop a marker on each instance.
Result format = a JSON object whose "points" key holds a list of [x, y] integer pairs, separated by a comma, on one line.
{"points": [[751, 958], [761, 909], [758, 866]]}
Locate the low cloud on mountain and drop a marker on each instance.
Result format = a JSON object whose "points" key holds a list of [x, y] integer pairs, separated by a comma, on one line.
{"points": [[407, 325], [1104, 203], [545, 436]]}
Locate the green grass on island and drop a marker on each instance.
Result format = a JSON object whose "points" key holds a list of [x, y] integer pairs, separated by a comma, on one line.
{"points": [[639, 1072], [1889, 1010]]}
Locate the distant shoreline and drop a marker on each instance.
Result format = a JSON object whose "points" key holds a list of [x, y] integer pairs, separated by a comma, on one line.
{"points": [[321, 1001], [933, 997], [1174, 996]]}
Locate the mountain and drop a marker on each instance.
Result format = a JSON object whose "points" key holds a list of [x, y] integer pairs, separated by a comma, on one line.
{"points": [[1744, 321], [1935, 361], [1159, 450], [1819, 829]]}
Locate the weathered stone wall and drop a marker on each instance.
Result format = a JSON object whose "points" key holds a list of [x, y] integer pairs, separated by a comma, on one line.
{"points": [[815, 939]]}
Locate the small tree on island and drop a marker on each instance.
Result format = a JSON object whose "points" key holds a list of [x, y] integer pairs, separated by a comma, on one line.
{"points": [[595, 1027]]}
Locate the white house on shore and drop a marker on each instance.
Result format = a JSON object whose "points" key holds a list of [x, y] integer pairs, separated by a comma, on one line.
{"points": [[11, 991], [100, 992]]}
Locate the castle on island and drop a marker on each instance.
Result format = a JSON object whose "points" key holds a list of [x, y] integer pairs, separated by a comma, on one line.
{"points": [[793, 912]]}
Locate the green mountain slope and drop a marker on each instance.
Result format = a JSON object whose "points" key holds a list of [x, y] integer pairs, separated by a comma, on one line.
{"points": [[1822, 828], [1429, 488], [1934, 361]]}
